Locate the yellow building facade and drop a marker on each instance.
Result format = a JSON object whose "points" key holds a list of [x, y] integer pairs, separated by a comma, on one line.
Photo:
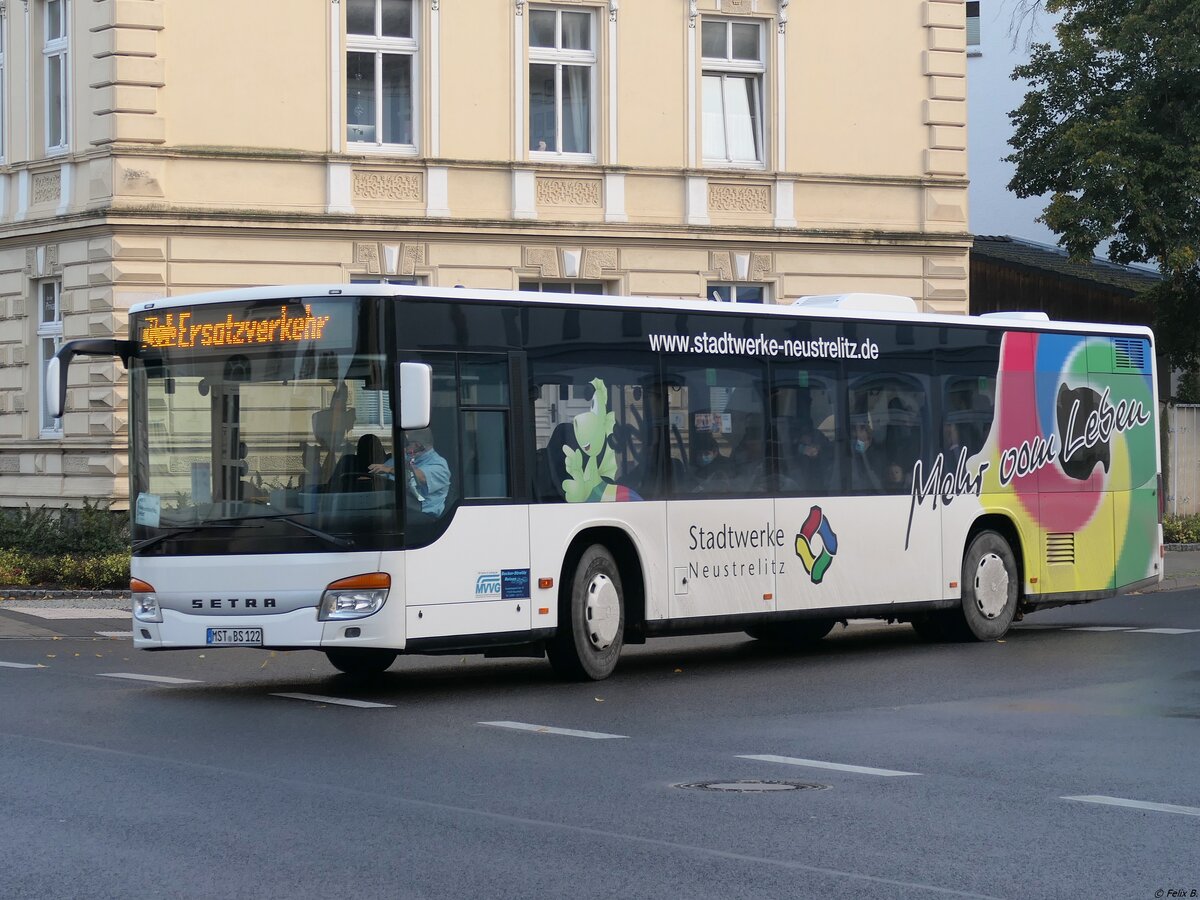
{"points": [[746, 150]]}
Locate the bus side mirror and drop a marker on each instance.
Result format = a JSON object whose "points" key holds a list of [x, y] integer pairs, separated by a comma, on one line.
{"points": [[56, 389], [416, 394]]}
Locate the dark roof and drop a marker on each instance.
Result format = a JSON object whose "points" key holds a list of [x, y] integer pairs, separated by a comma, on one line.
{"points": [[1042, 257]]}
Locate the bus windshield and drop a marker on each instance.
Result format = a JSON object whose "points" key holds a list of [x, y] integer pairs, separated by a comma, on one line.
{"points": [[262, 428]]}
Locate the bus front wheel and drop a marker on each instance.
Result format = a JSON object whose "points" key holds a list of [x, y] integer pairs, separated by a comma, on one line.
{"points": [[591, 619], [991, 584], [361, 662]]}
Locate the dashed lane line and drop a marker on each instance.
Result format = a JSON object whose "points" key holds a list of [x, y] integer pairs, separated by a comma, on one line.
{"points": [[1102, 628], [337, 701], [115, 634], [567, 732], [8, 665], [159, 679], [820, 764], [1137, 804], [1165, 630]]}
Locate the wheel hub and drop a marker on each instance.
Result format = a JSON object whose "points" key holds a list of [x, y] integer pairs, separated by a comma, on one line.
{"points": [[991, 586], [603, 611]]}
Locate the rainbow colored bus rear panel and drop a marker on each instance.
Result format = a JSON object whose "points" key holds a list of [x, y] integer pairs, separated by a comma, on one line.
{"points": [[1072, 458]]}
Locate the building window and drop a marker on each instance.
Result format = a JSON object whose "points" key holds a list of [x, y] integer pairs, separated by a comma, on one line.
{"points": [[733, 61], [54, 52], [973, 26], [381, 54], [562, 83], [563, 287], [49, 336], [737, 293], [3, 36]]}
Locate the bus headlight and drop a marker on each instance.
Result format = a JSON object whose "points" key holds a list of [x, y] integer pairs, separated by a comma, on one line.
{"points": [[354, 597], [145, 601]]}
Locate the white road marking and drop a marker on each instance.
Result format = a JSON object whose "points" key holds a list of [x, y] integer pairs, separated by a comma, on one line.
{"points": [[316, 698], [1104, 628], [115, 634], [547, 729], [837, 767], [7, 665], [1165, 630], [1138, 804], [54, 613], [160, 679]]}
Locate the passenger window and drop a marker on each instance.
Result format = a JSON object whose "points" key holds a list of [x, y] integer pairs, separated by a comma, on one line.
{"points": [[718, 433], [889, 427], [808, 442], [483, 395]]}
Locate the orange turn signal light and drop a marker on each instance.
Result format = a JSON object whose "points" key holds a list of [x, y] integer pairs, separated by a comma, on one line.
{"points": [[370, 581], [543, 610], [137, 586], [545, 583]]}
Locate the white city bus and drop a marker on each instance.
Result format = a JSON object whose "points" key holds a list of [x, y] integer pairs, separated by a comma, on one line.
{"points": [[374, 470]]}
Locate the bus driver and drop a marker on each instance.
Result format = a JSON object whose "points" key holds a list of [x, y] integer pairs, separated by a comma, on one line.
{"points": [[428, 471]]}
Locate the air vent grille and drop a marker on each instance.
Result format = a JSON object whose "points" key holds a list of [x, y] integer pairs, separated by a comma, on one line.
{"points": [[1131, 354], [1060, 549]]}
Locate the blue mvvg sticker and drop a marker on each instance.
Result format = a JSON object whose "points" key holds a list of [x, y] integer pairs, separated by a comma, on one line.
{"points": [[487, 585], [514, 584]]}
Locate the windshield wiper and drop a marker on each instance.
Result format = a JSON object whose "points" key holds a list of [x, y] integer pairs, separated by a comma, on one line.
{"points": [[316, 532]]}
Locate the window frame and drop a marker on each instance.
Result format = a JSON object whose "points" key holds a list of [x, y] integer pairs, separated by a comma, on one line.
{"points": [[725, 67], [48, 330], [56, 52], [563, 286], [3, 73], [379, 46], [733, 290], [559, 57]]}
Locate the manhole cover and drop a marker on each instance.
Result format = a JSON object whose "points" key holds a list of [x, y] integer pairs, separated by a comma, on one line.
{"points": [[753, 787]]}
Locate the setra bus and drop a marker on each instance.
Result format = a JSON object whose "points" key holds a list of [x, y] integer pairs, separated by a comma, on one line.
{"points": [[370, 470]]}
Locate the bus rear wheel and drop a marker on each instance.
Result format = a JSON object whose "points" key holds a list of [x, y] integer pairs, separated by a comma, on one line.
{"points": [[591, 619], [991, 584], [794, 634], [361, 663]]}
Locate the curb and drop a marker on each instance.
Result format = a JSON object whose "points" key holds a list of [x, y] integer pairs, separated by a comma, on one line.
{"points": [[47, 594]]}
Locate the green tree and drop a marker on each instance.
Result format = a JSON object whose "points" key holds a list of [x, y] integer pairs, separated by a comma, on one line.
{"points": [[1110, 129]]}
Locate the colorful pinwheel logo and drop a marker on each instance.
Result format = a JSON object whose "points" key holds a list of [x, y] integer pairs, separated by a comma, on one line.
{"points": [[816, 544]]}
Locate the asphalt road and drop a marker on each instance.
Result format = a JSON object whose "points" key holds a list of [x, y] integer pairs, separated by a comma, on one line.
{"points": [[1061, 762]]}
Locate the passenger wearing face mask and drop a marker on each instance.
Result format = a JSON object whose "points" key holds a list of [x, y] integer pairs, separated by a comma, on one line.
{"points": [[866, 459], [709, 466]]}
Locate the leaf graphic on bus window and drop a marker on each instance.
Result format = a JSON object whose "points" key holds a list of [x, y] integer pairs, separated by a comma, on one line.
{"points": [[592, 430]]}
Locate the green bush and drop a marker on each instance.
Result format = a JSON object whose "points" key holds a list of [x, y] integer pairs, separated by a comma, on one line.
{"points": [[1181, 529], [103, 572], [85, 548], [93, 529]]}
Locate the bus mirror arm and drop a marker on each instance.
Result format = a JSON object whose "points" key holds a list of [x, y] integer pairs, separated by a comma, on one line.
{"points": [[56, 370]]}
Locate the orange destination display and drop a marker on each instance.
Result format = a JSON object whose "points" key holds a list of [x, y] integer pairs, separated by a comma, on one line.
{"points": [[199, 328]]}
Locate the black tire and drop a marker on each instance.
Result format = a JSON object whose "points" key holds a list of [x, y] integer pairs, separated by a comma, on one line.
{"points": [[361, 663], [587, 645], [792, 634], [930, 626], [991, 585]]}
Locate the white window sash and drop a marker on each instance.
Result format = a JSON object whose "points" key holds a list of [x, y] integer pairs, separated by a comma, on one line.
{"points": [[55, 54], [379, 47], [557, 57], [52, 330]]}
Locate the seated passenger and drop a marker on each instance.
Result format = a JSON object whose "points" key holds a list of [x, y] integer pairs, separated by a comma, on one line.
{"points": [[866, 462], [709, 466]]}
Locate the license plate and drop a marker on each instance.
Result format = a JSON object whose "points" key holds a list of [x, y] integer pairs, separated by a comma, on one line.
{"points": [[236, 636]]}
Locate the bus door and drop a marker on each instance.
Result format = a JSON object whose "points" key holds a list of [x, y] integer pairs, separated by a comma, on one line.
{"points": [[723, 541], [467, 562]]}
